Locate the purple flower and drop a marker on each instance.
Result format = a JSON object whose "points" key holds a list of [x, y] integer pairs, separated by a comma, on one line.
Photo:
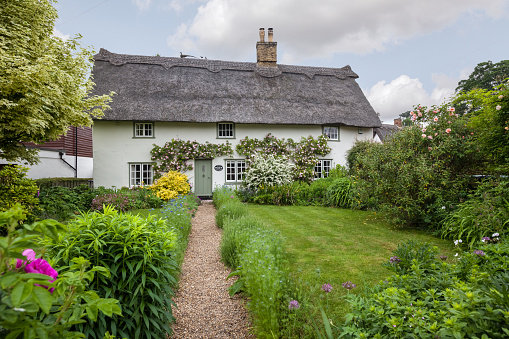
{"points": [[479, 253], [294, 304], [485, 239], [349, 285], [29, 254], [394, 260], [326, 288], [39, 266]]}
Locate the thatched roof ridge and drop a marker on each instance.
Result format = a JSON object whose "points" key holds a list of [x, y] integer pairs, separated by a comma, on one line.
{"points": [[153, 88], [385, 131]]}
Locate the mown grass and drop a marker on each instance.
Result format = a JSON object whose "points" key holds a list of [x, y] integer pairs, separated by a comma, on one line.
{"points": [[330, 245]]}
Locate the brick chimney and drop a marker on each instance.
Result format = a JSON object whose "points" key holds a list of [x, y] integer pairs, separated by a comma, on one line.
{"points": [[266, 52], [397, 122]]}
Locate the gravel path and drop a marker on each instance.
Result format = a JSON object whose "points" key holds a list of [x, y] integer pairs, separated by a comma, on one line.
{"points": [[204, 307]]}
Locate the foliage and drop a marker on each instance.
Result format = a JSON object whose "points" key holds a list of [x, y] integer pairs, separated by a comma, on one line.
{"points": [[178, 213], [34, 304], [223, 194], [358, 148], [256, 254], [44, 82], [266, 171], [489, 120], [119, 200], [422, 171], [16, 188], [484, 213], [303, 154], [338, 193], [170, 185], [486, 75], [403, 259], [173, 156], [444, 300], [62, 203], [232, 209], [139, 253]]}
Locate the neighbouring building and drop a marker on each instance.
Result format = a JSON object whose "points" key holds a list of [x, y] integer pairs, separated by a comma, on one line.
{"points": [[67, 157], [380, 134], [160, 98]]}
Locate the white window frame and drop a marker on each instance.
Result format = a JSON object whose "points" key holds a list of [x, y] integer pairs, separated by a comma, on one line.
{"points": [[141, 174], [225, 130], [322, 168], [235, 170], [331, 132], [143, 129]]}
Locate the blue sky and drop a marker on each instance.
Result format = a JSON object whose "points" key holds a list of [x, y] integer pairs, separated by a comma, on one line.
{"points": [[406, 52]]}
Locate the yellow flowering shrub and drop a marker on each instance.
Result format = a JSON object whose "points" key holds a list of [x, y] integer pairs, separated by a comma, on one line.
{"points": [[170, 185]]}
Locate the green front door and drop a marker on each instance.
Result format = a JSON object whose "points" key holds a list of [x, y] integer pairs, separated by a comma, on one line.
{"points": [[203, 177]]}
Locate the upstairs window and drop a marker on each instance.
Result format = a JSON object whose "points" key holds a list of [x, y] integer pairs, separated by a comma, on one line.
{"points": [[332, 132], [235, 170], [322, 168], [140, 174], [226, 130], [143, 129]]}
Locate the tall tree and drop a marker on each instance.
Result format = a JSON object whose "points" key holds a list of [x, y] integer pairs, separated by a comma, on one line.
{"points": [[486, 75], [44, 80]]}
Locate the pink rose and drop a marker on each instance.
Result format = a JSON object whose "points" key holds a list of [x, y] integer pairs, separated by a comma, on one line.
{"points": [[430, 137], [424, 135], [435, 119], [448, 130]]}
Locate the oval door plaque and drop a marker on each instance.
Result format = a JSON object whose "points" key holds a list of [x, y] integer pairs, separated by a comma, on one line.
{"points": [[218, 167]]}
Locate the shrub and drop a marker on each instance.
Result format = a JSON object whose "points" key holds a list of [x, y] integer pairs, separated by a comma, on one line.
{"points": [[484, 213], [16, 188], [34, 304], [170, 185], [267, 171], [62, 203], [119, 200], [338, 193], [420, 170], [442, 301], [232, 209], [139, 253]]}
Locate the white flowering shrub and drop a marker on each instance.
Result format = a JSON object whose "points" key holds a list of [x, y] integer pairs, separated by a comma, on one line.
{"points": [[268, 171]]}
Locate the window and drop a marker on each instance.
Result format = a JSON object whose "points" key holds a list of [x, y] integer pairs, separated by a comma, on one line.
{"points": [[143, 129], [360, 130], [140, 174], [225, 130], [332, 132], [322, 168], [235, 170]]}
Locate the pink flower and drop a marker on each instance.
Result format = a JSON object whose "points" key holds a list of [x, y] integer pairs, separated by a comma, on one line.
{"points": [[449, 122], [435, 119], [29, 254], [430, 137], [420, 114], [423, 130], [424, 135], [41, 266], [429, 148], [500, 96], [448, 130], [498, 107]]}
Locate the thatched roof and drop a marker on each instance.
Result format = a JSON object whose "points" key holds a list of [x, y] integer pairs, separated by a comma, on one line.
{"points": [[385, 131], [199, 90]]}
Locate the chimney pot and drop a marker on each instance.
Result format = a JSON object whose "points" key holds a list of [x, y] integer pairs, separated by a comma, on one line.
{"points": [[271, 33], [262, 34]]}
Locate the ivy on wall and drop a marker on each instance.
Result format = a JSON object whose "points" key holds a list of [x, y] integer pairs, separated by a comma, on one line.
{"points": [[173, 156]]}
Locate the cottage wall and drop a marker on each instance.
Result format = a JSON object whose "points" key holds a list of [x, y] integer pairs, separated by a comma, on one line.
{"points": [[115, 146]]}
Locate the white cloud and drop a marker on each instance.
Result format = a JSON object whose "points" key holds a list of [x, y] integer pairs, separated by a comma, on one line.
{"points": [[59, 34], [142, 5], [227, 28], [404, 93]]}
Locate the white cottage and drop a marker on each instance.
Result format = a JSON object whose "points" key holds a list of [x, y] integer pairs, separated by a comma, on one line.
{"points": [[161, 98]]}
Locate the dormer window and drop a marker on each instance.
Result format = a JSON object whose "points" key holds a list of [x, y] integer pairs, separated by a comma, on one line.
{"points": [[226, 130], [332, 132]]}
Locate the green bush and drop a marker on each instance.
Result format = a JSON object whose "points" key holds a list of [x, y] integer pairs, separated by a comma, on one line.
{"points": [[139, 253], [62, 203], [420, 172], [338, 193], [37, 298], [232, 209], [16, 188], [484, 213], [467, 299]]}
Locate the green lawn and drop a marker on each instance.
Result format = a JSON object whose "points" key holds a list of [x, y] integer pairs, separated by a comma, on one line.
{"points": [[330, 245]]}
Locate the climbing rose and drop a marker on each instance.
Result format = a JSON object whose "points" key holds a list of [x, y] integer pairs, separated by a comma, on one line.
{"points": [[448, 130], [435, 119], [498, 107]]}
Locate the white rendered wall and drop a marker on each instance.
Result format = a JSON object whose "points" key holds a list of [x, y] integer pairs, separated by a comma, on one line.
{"points": [[51, 166], [115, 147]]}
